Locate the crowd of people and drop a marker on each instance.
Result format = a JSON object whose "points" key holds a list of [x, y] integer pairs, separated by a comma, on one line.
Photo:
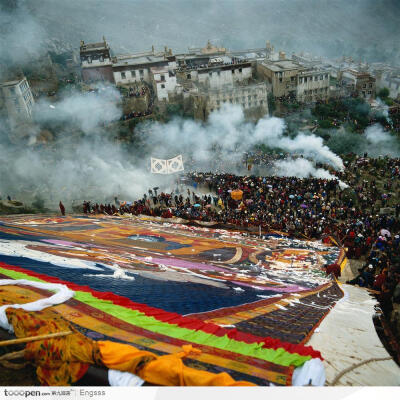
{"points": [[363, 218], [381, 270], [140, 92]]}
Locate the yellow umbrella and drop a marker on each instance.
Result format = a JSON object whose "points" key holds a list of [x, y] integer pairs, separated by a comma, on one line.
{"points": [[237, 194]]}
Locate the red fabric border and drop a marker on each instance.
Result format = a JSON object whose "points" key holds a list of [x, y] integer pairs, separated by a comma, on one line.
{"points": [[173, 318]]}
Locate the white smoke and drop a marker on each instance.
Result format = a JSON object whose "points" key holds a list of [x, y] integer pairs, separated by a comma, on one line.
{"points": [[303, 168], [380, 142], [384, 108], [87, 110], [229, 132], [83, 162]]}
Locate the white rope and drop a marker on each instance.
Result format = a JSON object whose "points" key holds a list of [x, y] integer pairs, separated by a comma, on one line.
{"points": [[62, 295], [352, 367]]}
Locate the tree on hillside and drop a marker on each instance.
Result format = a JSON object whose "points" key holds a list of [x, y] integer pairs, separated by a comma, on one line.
{"points": [[384, 93]]}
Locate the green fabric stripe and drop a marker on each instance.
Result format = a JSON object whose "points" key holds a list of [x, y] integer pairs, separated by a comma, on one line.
{"points": [[134, 317]]}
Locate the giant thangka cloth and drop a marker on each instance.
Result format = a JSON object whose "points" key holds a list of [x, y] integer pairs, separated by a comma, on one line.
{"points": [[249, 305]]}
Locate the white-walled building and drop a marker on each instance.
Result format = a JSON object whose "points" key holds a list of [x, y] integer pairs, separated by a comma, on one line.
{"points": [[218, 75], [212, 72], [164, 81], [18, 100], [137, 67]]}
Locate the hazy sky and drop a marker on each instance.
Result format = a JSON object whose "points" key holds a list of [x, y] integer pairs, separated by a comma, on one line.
{"points": [[366, 28]]}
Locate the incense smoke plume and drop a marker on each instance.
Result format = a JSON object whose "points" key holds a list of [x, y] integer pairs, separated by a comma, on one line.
{"points": [[303, 168], [380, 142], [84, 163], [228, 134]]}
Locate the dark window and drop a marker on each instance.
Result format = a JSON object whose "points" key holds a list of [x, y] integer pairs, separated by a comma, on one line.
{"points": [[123, 75], [133, 73], [240, 70], [162, 78], [188, 76], [233, 71], [162, 86], [141, 72]]}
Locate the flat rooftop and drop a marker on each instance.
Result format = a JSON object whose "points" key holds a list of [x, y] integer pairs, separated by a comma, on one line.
{"points": [[312, 71], [126, 60], [282, 65], [93, 46], [357, 73]]}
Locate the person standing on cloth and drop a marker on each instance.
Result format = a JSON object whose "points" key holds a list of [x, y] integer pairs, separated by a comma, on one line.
{"points": [[62, 208]]}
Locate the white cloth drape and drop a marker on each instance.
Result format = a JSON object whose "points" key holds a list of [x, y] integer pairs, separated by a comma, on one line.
{"points": [[62, 295]]}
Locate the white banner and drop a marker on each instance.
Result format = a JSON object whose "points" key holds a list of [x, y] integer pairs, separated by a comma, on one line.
{"points": [[175, 164], [158, 166], [170, 166]]}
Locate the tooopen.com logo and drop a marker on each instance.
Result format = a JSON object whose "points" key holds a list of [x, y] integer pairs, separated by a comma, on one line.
{"points": [[22, 393]]}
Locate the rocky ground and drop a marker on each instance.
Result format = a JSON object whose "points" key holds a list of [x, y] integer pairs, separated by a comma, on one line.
{"points": [[14, 207]]}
